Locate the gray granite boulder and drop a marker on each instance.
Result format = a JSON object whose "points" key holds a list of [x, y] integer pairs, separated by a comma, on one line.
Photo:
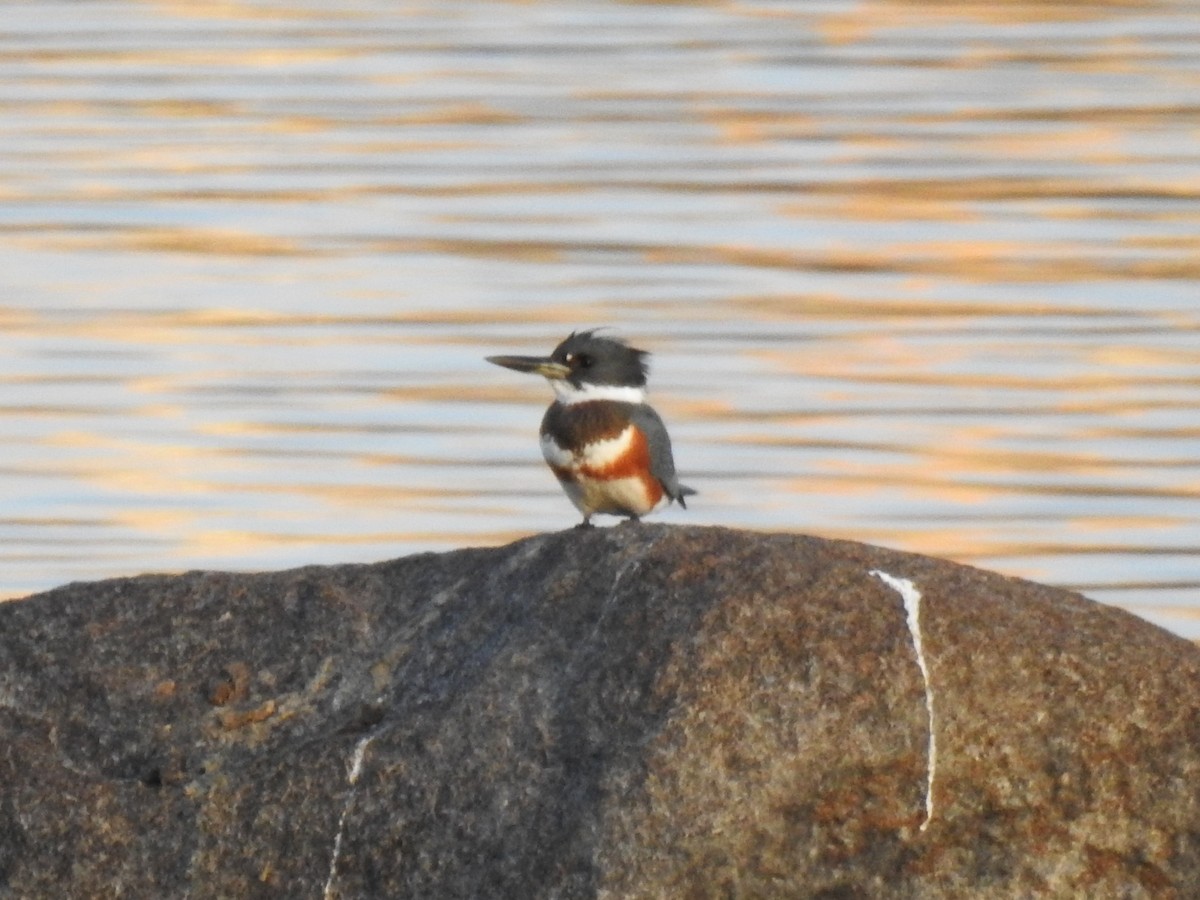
{"points": [[639, 711]]}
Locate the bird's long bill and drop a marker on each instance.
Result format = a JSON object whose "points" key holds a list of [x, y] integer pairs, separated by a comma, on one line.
{"points": [[538, 365]]}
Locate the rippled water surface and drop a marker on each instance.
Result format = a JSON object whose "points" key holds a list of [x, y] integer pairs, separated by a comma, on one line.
{"points": [[918, 274]]}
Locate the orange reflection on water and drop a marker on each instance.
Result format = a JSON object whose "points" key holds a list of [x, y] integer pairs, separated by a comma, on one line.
{"points": [[917, 273]]}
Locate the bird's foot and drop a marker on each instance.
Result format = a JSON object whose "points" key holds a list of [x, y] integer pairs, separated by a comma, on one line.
{"points": [[585, 525]]}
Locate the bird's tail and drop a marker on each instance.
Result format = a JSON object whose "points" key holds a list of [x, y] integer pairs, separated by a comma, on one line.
{"points": [[682, 491]]}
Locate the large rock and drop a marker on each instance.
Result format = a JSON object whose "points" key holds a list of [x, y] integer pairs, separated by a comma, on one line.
{"points": [[640, 711]]}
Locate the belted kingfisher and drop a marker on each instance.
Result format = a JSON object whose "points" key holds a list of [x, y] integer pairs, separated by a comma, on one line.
{"points": [[608, 448]]}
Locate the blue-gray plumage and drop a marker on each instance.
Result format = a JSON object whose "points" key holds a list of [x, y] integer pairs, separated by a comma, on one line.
{"points": [[662, 460]]}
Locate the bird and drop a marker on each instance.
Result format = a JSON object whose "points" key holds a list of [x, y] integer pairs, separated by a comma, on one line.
{"points": [[604, 443]]}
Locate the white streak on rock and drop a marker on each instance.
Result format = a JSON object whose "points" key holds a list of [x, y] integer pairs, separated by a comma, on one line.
{"points": [[355, 769], [912, 605]]}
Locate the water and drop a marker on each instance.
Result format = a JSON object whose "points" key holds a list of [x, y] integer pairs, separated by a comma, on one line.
{"points": [[923, 275]]}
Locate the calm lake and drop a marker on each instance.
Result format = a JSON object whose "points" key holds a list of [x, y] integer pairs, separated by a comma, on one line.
{"points": [[913, 273]]}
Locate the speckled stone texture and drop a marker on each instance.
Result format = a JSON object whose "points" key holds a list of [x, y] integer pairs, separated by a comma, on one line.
{"points": [[638, 711]]}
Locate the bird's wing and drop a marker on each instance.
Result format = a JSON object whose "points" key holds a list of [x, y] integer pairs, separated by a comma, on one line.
{"points": [[662, 462]]}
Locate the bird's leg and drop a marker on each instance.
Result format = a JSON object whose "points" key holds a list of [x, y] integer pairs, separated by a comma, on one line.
{"points": [[585, 524], [636, 520]]}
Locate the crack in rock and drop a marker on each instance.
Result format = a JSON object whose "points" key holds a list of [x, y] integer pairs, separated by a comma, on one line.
{"points": [[354, 770], [912, 606]]}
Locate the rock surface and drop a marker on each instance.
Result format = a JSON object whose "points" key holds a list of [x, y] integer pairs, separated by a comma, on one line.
{"points": [[639, 711]]}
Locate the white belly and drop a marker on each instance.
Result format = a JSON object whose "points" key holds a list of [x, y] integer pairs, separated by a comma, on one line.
{"points": [[613, 496], [616, 497]]}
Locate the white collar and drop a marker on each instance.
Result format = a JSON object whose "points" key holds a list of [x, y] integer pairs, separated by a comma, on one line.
{"points": [[568, 394]]}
